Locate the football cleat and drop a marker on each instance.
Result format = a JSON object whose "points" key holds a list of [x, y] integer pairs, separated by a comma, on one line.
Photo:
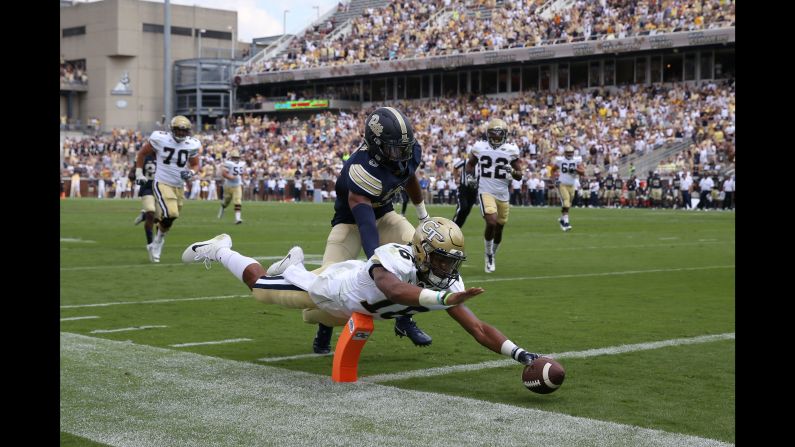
{"points": [[322, 342], [221, 213], [139, 218], [294, 256], [238, 222], [205, 251], [568, 227], [405, 326], [150, 248], [157, 248], [490, 267]]}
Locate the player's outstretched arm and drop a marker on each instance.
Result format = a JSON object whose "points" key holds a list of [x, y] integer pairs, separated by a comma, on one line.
{"points": [[415, 194], [145, 150], [407, 294], [489, 336], [362, 210]]}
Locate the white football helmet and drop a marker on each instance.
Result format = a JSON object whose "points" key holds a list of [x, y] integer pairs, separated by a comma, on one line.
{"points": [[438, 245]]}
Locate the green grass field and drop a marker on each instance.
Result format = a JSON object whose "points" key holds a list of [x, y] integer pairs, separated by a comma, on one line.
{"points": [[621, 277]]}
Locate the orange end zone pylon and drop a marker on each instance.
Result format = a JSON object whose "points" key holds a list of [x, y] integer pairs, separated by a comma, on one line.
{"points": [[349, 347]]}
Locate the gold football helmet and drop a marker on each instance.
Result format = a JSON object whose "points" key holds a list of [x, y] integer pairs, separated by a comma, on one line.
{"points": [[568, 152], [438, 246], [180, 128], [234, 153], [497, 132]]}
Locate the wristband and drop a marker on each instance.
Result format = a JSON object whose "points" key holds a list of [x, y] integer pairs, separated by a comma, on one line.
{"points": [[421, 213], [428, 297]]}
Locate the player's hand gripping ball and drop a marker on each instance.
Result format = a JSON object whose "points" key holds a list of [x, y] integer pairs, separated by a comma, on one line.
{"points": [[543, 376]]}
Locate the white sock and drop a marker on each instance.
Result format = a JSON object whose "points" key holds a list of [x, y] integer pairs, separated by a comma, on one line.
{"points": [[566, 218], [496, 246], [233, 261], [237, 215], [489, 246], [159, 236]]}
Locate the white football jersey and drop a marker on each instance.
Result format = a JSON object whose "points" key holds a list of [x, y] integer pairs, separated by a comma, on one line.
{"points": [[236, 169], [348, 285], [172, 157], [567, 168], [492, 163]]}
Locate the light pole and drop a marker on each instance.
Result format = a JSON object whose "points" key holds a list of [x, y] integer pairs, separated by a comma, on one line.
{"points": [[317, 8], [198, 83], [284, 25]]}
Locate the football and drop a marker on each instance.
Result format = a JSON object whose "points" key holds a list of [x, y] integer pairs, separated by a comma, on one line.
{"points": [[543, 376]]}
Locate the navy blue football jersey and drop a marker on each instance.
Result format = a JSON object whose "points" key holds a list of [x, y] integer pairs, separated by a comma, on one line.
{"points": [[365, 176]]}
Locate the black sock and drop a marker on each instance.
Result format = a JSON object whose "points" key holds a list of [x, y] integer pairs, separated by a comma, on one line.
{"points": [[148, 235]]}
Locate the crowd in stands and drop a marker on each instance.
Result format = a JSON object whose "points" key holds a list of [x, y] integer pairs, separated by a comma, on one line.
{"points": [[73, 73], [409, 29], [603, 125]]}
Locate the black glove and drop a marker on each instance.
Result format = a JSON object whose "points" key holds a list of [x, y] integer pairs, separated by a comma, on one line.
{"points": [[187, 174], [140, 178], [525, 357]]}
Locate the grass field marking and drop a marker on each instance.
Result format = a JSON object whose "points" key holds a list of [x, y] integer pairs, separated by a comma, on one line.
{"points": [[627, 272], [292, 357], [124, 394], [218, 342], [309, 259], [667, 238], [126, 329], [78, 240], [611, 350], [158, 301], [79, 318]]}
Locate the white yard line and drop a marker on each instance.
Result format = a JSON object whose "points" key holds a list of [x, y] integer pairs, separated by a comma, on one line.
{"points": [[123, 394], [79, 318], [78, 240], [293, 357], [164, 300], [202, 343], [126, 329], [612, 350], [310, 259], [626, 272]]}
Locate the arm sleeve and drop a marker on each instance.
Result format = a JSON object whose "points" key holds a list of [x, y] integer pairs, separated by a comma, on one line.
{"points": [[365, 220]]}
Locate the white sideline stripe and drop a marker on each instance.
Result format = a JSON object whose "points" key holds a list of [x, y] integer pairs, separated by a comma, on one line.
{"points": [[293, 357], [125, 329], [521, 278], [668, 238], [71, 239], [164, 300], [124, 395], [219, 342], [580, 275], [310, 259], [79, 318], [612, 350]]}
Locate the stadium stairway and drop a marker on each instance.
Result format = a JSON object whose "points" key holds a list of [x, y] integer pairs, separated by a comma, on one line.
{"points": [[650, 159]]}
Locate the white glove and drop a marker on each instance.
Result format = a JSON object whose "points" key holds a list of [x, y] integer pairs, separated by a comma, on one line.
{"points": [[471, 181], [140, 178]]}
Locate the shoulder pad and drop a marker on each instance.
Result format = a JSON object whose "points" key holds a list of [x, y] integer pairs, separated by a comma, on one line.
{"points": [[359, 176]]}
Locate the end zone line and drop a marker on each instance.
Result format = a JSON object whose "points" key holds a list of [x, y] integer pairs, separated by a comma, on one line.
{"points": [[125, 329], [612, 350], [79, 318], [219, 342]]}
